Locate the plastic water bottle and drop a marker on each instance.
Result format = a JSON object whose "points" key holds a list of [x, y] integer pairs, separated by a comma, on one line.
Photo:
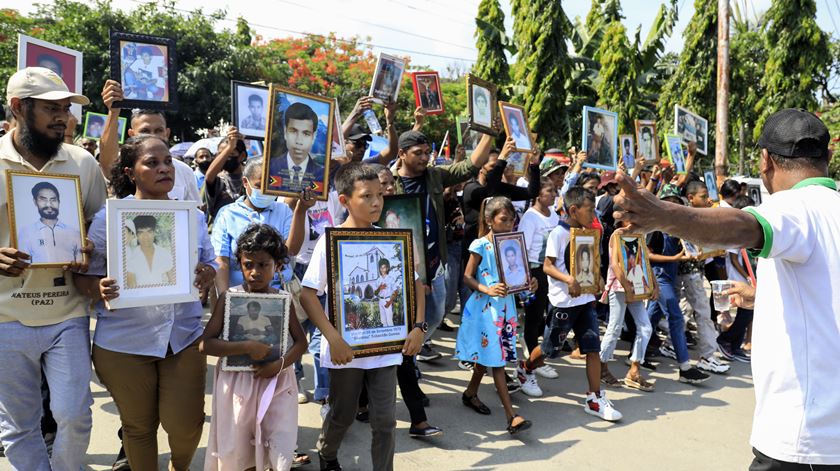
{"points": [[372, 122]]}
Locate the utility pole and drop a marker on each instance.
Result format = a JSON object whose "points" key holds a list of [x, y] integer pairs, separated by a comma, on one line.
{"points": [[722, 113]]}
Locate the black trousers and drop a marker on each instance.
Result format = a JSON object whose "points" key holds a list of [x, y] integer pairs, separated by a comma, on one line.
{"points": [[736, 333], [535, 311], [410, 390], [763, 462]]}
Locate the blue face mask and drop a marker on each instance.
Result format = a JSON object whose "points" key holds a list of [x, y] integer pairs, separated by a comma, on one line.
{"points": [[260, 200]]}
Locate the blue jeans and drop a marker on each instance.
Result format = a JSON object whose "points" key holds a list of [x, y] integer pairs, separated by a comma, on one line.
{"points": [[435, 304], [454, 276], [669, 303], [618, 304], [63, 351]]}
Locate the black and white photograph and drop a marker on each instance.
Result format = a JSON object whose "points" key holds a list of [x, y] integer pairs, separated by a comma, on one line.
{"points": [[516, 126], [387, 78], [648, 142], [146, 68], [585, 255], [258, 317], [512, 261], [481, 103], [600, 138], [249, 108], [691, 128], [711, 184]]}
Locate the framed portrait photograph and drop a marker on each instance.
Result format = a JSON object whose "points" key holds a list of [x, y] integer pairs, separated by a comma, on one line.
{"points": [[692, 127], [466, 136], [152, 251], [249, 108], [754, 192], [586, 259], [600, 138], [481, 103], [628, 151], [711, 184], [675, 152], [387, 78], [337, 136], [427, 92], [298, 144], [261, 317], [635, 264], [46, 218], [94, 125], [648, 143], [512, 260], [519, 161], [65, 62], [516, 126], [372, 298], [146, 68], [408, 212]]}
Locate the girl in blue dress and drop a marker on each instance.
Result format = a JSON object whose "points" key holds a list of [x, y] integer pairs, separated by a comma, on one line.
{"points": [[487, 336]]}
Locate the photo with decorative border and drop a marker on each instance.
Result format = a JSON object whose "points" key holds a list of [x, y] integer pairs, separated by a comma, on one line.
{"points": [[407, 212], [647, 141], [95, 125], [691, 127], [675, 153], [46, 218], [260, 317], [150, 264], [372, 296], [632, 251], [298, 152], [711, 184], [146, 68], [600, 138], [628, 151], [249, 108], [427, 92], [481, 105], [516, 126], [585, 250], [512, 261], [387, 78], [65, 62], [338, 149]]}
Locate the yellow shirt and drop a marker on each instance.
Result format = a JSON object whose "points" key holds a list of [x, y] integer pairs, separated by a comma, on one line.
{"points": [[46, 296]]}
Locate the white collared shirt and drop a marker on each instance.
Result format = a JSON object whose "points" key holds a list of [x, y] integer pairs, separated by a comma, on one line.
{"points": [[297, 177], [46, 244]]}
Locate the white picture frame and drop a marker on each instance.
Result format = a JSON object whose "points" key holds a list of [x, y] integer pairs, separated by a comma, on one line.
{"points": [[700, 129], [272, 305], [385, 86], [29, 49], [181, 252]]}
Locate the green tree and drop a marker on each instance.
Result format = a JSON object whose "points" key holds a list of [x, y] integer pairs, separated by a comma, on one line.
{"points": [[492, 43], [798, 54], [617, 80]]}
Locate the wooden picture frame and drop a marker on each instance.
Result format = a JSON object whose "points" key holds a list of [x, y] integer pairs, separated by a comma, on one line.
{"points": [[710, 180], [34, 197], [66, 62], [152, 84], [407, 211], [632, 250], [245, 314], [587, 274], [89, 129], [278, 178], [481, 116], [173, 228], [519, 161], [360, 293], [338, 144], [514, 119], [433, 104], [249, 108], [510, 250], [647, 146], [600, 138], [688, 124], [387, 78], [674, 145], [629, 159]]}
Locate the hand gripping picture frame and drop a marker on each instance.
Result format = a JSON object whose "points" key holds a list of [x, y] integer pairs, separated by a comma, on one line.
{"points": [[427, 92], [512, 261], [387, 78], [147, 69], [632, 253], [260, 317], [516, 125], [585, 256], [249, 108]]}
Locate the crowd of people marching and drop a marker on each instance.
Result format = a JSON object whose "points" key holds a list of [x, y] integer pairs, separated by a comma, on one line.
{"points": [[152, 360]]}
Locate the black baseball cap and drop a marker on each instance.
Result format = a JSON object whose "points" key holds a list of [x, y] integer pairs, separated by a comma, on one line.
{"points": [[795, 133], [358, 134], [411, 139]]}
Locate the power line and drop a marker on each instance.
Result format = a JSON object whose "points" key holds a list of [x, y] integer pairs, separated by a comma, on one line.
{"points": [[436, 14], [831, 14]]}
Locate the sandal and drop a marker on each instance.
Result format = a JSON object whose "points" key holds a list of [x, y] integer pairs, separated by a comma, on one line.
{"points": [[639, 383], [301, 459], [610, 380], [513, 429], [475, 404]]}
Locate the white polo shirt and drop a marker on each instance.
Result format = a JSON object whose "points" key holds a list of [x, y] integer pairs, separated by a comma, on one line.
{"points": [[796, 332]]}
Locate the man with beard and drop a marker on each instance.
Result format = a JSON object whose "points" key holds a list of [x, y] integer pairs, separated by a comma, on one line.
{"points": [[48, 239], [43, 319]]}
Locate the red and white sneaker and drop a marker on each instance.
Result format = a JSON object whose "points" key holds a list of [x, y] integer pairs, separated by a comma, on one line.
{"points": [[598, 405]]}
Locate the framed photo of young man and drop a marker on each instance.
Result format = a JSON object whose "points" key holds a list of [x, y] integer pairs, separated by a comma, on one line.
{"points": [[65, 62], [372, 296], [427, 92], [691, 127], [146, 68], [516, 126], [387, 78], [481, 103], [260, 317], [95, 124], [675, 153], [586, 259], [512, 261], [298, 144], [249, 108], [600, 138], [635, 264], [46, 219], [408, 212], [711, 184], [628, 151], [152, 251], [646, 138]]}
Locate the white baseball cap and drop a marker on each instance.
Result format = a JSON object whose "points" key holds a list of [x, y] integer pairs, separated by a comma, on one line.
{"points": [[40, 83]]}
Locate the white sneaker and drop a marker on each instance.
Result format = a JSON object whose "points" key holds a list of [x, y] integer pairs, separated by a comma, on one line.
{"points": [[600, 406], [302, 397], [528, 382], [712, 365], [325, 409], [547, 372]]}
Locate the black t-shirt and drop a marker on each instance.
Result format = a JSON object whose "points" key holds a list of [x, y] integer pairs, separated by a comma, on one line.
{"points": [[418, 185], [224, 190]]}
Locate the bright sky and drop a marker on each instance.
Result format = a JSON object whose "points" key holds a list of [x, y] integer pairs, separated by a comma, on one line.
{"points": [[436, 33]]}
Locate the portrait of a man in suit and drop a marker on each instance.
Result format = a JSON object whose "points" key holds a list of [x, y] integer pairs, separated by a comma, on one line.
{"points": [[297, 168]]}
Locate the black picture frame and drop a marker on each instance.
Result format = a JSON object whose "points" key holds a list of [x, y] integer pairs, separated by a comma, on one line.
{"points": [[235, 116], [409, 205], [170, 103], [500, 242]]}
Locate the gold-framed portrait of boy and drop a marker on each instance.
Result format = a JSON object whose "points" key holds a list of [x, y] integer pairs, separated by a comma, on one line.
{"points": [[585, 257], [631, 255]]}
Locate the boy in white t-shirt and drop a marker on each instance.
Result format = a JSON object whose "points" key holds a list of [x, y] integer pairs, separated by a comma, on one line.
{"points": [[360, 192]]}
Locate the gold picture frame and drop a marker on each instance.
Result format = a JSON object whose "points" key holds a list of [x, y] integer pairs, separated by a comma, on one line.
{"points": [[523, 137], [588, 275], [621, 246], [481, 121]]}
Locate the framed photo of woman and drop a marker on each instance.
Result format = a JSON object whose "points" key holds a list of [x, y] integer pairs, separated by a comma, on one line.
{"points": [[631, 250], [512, 261], [150, 264], [262, 317], [586, 259]]}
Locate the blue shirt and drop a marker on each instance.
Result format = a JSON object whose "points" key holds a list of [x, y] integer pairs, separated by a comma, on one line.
{"points": [[199, 178], [232, 220], [146, 330]]}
